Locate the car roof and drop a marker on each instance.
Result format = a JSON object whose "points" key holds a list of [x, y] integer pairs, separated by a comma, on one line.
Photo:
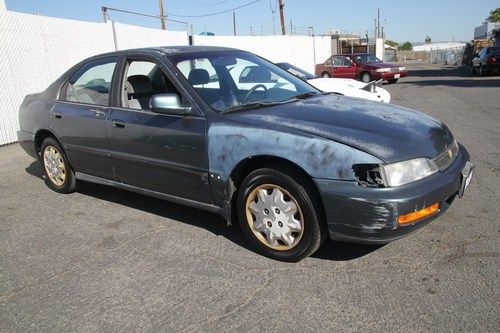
{"points": [[168, 50]]}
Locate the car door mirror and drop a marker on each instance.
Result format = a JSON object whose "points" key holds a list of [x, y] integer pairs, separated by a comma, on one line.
{"points": [[168, 104]]}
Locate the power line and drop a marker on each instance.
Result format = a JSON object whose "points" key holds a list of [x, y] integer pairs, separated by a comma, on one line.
{"points": [[208, 4], [216, 13]]}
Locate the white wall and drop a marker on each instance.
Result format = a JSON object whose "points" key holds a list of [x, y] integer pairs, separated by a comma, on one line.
{"points": [[297, 50], [130, 36], [35, 50]]}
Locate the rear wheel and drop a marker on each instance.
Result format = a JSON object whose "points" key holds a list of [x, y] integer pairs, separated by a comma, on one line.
{"points": [[325, 75], [392, 80], [366, 77], [279, 215], [58, 173]]}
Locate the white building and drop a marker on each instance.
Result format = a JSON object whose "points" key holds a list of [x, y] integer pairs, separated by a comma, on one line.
{"points": [[484, 31], [438, 46]]}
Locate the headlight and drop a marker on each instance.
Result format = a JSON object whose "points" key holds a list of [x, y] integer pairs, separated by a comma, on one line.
{"points": [[400, 173], [383, 70], [402, 69]]}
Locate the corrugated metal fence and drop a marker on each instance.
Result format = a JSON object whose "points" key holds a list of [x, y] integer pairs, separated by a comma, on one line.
{"points": [[35, 50]]}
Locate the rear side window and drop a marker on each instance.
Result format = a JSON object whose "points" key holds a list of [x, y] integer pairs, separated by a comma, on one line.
{"points": [[91, 85]]}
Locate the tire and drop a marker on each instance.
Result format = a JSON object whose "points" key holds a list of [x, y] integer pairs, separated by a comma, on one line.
{"points": [[259, 215], [392, 81], [325, 75], [366, 77], [59, 176]]}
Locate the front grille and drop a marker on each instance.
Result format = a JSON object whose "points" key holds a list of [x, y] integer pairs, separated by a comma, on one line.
{"points": [[447, 157], [396, 69]]}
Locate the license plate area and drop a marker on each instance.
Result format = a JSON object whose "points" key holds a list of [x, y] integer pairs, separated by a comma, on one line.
{"points": [[397, 76], [467, 174]]}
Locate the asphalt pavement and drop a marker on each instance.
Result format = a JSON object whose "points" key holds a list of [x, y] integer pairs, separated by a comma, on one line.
{"points": [[103, 259]]}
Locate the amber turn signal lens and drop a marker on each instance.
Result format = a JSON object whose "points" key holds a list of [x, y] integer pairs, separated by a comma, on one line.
{"points": [[419, 214]]}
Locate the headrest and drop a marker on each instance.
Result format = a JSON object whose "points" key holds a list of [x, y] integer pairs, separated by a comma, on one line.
{"points": [[257, 74], [140, 84], [198, 76]]}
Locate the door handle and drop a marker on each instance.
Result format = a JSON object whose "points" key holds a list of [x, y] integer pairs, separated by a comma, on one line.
{"points": [[118, 124], [57, 115]]}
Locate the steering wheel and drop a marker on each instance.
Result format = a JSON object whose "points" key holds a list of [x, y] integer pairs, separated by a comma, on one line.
{"points": [[250, 92]]}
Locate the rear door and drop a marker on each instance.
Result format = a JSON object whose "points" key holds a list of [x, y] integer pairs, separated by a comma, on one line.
{"points": [[158, 152], [78, 117]]}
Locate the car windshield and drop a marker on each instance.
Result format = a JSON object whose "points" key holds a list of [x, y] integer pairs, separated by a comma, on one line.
{"points": [[366, 58], [235, 80], [300, 73]]}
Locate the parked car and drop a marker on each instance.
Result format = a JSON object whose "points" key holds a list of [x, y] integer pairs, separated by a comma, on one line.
{"points": [[488, 60], [292, 166], [360, 66], [347, 87]]}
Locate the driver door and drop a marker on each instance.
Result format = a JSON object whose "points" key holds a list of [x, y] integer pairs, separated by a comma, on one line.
{"points": [[158, 152]]}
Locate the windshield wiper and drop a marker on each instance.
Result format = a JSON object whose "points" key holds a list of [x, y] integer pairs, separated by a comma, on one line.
{"points": [[304, 95], [249, 106]]}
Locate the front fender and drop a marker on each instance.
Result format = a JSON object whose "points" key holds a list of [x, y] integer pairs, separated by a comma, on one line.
{"points": [[229, 144]]}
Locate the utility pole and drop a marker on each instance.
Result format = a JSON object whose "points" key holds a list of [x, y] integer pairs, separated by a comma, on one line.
{"points": [[162, 16], [378, 23], [234, 23], [282, 17]]}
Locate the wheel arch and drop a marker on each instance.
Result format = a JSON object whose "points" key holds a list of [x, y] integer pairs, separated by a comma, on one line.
{"points": [[41, 135], [252, 163]]}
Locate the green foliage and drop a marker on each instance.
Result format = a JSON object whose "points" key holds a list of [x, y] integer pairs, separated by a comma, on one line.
{"points": [[428, 39], [391, 43], [494, 16], [407, 46]]}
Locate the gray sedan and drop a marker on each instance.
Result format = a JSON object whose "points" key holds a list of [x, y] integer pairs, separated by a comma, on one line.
{"points": [[291, 164]]}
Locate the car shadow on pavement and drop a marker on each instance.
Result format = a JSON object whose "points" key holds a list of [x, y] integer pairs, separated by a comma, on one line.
{"points": [[453, 77], [330, 250]]}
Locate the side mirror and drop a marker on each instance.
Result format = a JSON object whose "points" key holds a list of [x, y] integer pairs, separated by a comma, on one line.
{"points": [[168, 104], [302, 77]]}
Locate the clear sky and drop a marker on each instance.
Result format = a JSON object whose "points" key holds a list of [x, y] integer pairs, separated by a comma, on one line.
{"points": [[442, 20]]}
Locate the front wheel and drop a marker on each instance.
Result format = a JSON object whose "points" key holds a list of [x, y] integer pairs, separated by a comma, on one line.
{"points": [[58, 173], [392, 80], [366, 77], [279, 215], [325, 75]]}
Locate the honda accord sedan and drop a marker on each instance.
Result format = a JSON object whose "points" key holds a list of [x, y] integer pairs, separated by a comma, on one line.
{"points": [[291, 164]]}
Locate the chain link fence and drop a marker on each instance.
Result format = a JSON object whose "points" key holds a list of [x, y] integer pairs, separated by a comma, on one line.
{"points": [[36, 49]]}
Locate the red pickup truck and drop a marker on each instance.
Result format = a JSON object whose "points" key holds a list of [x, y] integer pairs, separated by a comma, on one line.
{"points": [[361, 66]]}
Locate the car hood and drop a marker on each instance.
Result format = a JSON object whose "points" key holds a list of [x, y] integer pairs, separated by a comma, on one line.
{"points": [[388, 132], [379, 65]]}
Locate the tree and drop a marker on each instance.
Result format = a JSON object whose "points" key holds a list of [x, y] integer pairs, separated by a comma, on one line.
{"points": [[428, 40], [407, 46], [494, 16], [392, 43]]}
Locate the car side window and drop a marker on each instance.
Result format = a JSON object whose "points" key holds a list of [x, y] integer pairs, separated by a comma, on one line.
{"points": [[143, 80], [91, 85], [329, 62], [346, 62]]}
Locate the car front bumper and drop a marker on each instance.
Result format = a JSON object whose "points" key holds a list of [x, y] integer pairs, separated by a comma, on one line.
{"points": [[370, 215], [389, 75]]}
